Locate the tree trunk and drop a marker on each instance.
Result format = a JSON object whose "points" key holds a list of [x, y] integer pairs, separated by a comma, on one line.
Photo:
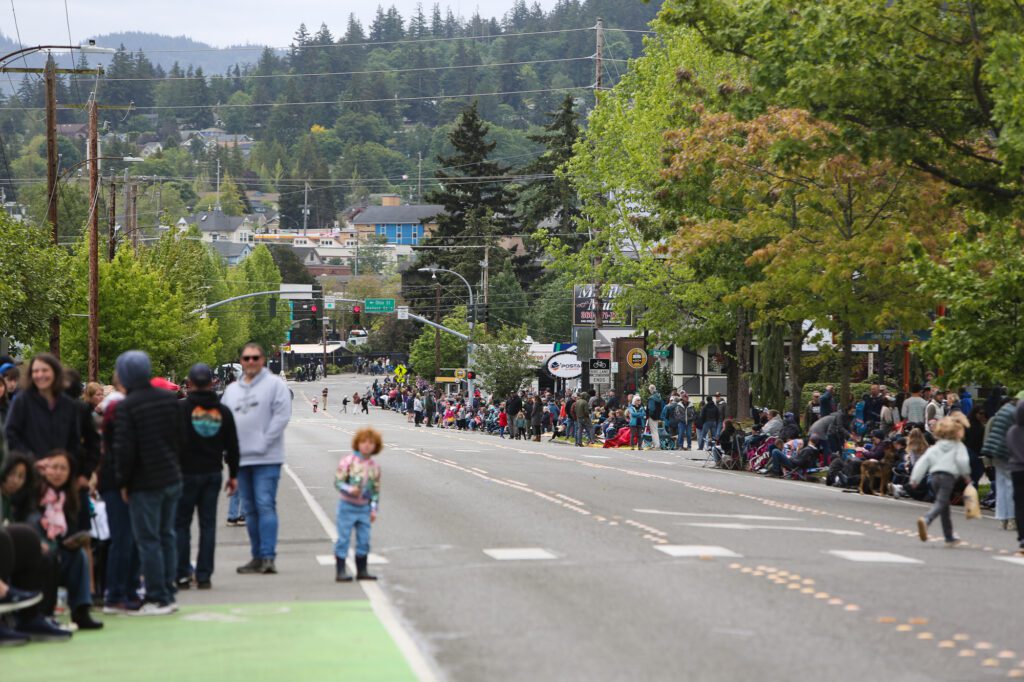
{"points": [[845, 365], [796, 356], [743, 346]]}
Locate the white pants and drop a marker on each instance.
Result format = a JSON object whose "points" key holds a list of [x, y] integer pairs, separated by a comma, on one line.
{"points": [[1004, 492], [653, 425]]}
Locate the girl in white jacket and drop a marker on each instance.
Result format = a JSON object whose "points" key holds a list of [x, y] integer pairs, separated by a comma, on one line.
{"points": [[946, 461]]}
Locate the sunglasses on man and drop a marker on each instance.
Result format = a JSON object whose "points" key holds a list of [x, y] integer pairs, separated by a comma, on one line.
{"points": [[251, 358]]}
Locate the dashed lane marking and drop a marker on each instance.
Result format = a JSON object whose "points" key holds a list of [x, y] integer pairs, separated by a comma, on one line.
{"points": [[874, 557], [679, 551], [519, 554], [742, 517], [750, 526], [328, 559], [1011, 559]]}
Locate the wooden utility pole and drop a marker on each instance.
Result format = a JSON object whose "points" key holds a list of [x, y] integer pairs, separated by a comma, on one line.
{"points": [[599, 56], [112, 222], [132, 210], [94, 243], [50, 80]]}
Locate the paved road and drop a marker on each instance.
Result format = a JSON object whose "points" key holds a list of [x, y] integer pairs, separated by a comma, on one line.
{"points": [[516, 560]]}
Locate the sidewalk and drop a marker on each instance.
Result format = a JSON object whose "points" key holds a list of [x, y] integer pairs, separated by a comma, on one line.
{"points": [[297, 625]]}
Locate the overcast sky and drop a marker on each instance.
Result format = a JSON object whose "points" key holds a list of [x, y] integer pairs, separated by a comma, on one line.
{"points": [[218, 22]]}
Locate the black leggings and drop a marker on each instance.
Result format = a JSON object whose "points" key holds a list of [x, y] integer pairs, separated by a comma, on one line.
{"points": [[22, 563], [1018, 504]]}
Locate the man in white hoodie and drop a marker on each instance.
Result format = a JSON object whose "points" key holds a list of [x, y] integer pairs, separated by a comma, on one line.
{"points": [[262, 406]]}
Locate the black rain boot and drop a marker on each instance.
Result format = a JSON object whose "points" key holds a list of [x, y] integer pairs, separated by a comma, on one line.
{"points": [[83, 619], [361, 572], [340, 576]]}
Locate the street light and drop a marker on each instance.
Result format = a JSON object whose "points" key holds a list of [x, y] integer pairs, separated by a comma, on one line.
{"points": [[472, 323], [88, 48]]}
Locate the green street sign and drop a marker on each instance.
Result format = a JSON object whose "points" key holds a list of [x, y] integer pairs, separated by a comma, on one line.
{"points": [[659, 353], [379, 305]]}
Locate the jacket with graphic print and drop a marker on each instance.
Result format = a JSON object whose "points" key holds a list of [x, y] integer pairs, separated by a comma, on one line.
{"points": [[210, 437], [358, 480]]}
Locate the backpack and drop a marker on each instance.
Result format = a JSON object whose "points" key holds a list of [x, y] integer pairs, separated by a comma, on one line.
{"points": [[659, 407], [682, 413]]}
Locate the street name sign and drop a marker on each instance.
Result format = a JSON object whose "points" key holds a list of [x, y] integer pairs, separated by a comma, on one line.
{"points": [[379, 305]]}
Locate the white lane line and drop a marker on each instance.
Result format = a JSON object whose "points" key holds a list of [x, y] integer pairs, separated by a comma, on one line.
{"points": [[379, 601], [748, 526], [1011, 559], [743, 517], [519, 554], [597, 457], [874, 557], [696, 551], [328, 559]]}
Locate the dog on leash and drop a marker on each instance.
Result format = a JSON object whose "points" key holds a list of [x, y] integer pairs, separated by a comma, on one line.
{"points": [[880, 469]]}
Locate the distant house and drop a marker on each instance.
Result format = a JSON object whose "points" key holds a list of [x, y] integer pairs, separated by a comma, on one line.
{"points": [[75, 131], [308, 255], [215, 226], [232, 253], [397, 224], [150, 148], [212, 138]]}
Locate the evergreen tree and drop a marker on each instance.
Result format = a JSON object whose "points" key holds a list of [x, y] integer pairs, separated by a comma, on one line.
{"points": [[552, 197]]}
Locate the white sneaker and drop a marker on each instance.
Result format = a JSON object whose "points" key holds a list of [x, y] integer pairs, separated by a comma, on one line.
{"points": [[153, 609]]}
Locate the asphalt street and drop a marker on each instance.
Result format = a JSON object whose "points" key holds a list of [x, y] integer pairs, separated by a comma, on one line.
{"points": [[516, 560]]}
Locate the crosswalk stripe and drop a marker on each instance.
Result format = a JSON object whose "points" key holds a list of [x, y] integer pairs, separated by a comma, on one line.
{"points": [[696, 551], [519, 554], [874, 557], [1011, 559]]}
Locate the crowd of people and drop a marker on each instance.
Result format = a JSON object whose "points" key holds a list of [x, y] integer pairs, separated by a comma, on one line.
{"points": [[99, 486]]}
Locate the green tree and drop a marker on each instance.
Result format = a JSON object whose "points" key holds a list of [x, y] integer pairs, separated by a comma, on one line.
{"points": [[256, 273], [502, 361], [35, 280], [453, 349], [980, 278], [507, 300]]}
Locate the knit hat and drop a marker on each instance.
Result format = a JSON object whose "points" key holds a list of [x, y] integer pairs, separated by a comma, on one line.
{"points": [[133, 369]]}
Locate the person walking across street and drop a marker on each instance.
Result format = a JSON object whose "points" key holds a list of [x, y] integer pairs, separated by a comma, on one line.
{"points": [[147, 448], [655, 406], [210, 442], [324, 394], [995, 448], [946, 461], [358, 483], [262, 407]]}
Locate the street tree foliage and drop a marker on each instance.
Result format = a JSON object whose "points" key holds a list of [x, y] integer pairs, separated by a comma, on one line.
{"points": [[259, 273], [422, 360], [139, 309], [507, 302], [35, 280], [502, 361]]}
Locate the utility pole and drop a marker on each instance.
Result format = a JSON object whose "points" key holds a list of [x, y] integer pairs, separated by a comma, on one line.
{"points": [[486, 276], [50, 79], [94, 243], [305, 206], [133, 212], [218, 184], [323, 338], [437, 319], [419, 178], [112, 221], [599, 57]]}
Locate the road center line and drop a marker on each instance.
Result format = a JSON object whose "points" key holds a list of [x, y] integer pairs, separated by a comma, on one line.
{"points": [[748, 526], [744, 517]]}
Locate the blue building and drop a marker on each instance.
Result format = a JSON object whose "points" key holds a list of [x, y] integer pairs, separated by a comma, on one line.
{"points": [[400, 225]]}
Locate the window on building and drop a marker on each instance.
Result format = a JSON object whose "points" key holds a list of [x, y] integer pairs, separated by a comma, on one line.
{"points": [[398, 233]]}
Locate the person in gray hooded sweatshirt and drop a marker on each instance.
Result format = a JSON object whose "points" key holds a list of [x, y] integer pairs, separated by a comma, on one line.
{"points": [[262, 406], [945, 462]]}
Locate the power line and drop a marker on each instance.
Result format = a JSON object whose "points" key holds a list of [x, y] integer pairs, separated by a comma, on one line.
{"points": [[373, 43], [359, 73]]}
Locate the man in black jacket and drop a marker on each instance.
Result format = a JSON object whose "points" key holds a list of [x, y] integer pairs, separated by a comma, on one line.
{"points": [[147, 446], [209, 441]]}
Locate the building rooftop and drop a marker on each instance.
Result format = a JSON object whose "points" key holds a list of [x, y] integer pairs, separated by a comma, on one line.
{"points": [[399, 215]]}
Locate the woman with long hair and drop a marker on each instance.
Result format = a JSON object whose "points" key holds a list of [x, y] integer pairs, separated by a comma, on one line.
{"points": [[42, 418]]}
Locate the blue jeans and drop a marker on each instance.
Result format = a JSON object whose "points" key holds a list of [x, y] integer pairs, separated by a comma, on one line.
{"points": [[122, 580], [708, 432], [684, 431], [584, 428], [235, 507], [349, 515], [199, 492], [74, 575], [257, 484], [152, 513]]}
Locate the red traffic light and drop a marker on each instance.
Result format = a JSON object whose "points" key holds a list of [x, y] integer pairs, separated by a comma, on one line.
{"points": [[471, 374], [313, 307], [357, 309]]}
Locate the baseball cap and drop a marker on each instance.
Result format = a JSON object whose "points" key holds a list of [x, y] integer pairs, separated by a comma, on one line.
{"points": [[200, 375], [6, 366]]}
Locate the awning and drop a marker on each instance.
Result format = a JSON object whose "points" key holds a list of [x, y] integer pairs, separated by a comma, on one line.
{"points": [[315, 348]]}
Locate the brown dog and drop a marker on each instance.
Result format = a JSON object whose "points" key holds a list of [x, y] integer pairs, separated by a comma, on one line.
{"points": [[880, 469]]}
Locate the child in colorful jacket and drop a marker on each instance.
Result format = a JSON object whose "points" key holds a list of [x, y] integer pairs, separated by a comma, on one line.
{"points": [[358, 482]]}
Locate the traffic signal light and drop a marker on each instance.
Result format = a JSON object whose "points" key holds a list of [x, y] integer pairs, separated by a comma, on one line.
{"points": [[471, 375], [273, 307], [356, 309], [481, 314], [313, 307]]}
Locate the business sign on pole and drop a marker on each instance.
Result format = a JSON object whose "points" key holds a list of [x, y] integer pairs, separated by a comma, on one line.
{"points": [[600, 371], [564, 366], [460, 374], [636, 358], [584, 305]]}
